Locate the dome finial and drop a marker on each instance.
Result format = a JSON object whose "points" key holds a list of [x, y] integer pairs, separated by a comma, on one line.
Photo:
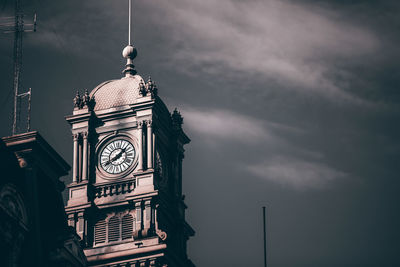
{"points": [[129, 51]]}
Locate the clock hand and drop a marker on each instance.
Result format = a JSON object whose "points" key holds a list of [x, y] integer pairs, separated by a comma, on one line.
{"points": [[115, 157], [118, 155]]}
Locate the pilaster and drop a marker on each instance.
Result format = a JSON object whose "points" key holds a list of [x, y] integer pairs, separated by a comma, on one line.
{"points": [[85, 156], [140, 146], [75, 159], [149, 144], [147, 218], [138, 226]]}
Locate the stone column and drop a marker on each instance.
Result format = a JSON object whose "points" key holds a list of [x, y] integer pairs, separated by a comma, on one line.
{"points": [[85, 157], [75, 159], [71, 220], [79, 160], [80, 225], [149, 145], [138, 219], [140, 152], [146, 218]]}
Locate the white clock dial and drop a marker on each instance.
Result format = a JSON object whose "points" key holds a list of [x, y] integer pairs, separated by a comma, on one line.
{"points": [[117, 156]]}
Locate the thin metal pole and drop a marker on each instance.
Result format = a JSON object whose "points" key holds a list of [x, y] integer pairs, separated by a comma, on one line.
{"points": [[130, 21], [265, 238], [29, 110], [17, 59]]}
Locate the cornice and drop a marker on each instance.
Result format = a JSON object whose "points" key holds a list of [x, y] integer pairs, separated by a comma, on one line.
{"points": [[115, 113], [33, 143], [79, 117]]}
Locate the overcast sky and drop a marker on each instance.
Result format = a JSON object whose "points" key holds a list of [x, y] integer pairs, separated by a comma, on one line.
{"points": [[289, 104]]}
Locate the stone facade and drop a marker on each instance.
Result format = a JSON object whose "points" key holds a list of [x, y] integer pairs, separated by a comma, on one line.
{"points": [[125, 200], [33, 225]]}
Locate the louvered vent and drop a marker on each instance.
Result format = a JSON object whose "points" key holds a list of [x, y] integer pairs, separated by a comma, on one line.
{"points": [[100, 232], [127, 226], [113, 229]]}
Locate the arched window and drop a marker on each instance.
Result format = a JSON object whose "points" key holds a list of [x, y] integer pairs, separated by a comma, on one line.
{"points": [[127, 227], [100, 232], [114, 229]]}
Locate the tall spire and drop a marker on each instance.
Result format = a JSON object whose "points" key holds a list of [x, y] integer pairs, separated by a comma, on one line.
{"points": [[129, 51]]}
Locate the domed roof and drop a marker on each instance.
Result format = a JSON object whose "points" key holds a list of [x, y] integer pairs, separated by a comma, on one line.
{"points": [[117, 93]]}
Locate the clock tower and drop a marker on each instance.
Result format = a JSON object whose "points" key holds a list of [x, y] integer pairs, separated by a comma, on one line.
{"points": [[125, 200]]}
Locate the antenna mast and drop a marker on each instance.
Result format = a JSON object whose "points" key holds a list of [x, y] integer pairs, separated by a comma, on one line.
{"points": [[130, 22], [18, 30], [265, 237]]}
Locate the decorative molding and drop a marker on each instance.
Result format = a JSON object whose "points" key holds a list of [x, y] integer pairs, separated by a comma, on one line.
{"points": [[161, 234], [75, 136], [115, 189]]}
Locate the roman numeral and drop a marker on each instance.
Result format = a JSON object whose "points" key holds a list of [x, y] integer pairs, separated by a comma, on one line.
{"points": [[124, 166], [117, 144], [124, 144], [110, 169]]}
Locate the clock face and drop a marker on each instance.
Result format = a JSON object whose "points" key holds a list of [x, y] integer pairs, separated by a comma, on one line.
{"points": [[117, 156]]}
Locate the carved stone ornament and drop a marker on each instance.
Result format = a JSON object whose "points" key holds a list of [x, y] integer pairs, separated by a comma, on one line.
{"points": [[159, 167], [11, 201], [77, 100], [151, 88], [161, 170], [177, 119], [22, 162], [84, 101], [86, 98], [75, 137], [148, 88], [161, 234], [142, 89]]}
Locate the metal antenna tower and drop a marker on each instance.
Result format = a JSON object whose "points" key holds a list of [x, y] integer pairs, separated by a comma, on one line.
{"points": [[19, 29]]}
